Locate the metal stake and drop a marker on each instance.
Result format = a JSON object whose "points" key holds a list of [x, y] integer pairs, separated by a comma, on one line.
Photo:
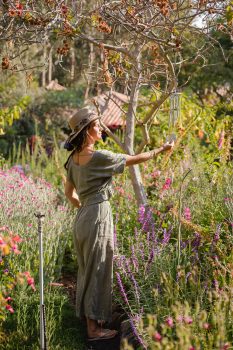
{"points": [[43, 339]]}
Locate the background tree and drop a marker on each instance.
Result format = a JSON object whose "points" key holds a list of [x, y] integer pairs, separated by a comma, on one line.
{"points": [[138, 45]]}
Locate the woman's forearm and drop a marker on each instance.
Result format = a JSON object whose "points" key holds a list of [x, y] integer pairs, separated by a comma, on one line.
{"points": [[76, 203], [143, 157], [73, 198]]}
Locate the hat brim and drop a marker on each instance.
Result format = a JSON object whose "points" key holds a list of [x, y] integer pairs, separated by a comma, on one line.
{"points": [[73, 135]]}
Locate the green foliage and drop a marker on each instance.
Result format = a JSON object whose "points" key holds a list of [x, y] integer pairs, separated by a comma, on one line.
{"points": [[22, 327], [9, 114]]}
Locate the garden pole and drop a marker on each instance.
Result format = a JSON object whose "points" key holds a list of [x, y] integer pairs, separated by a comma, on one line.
{"points": [[43, 345]]}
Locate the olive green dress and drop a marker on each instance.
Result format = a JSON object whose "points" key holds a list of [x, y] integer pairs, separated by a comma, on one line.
{"points": [[93, 232]]}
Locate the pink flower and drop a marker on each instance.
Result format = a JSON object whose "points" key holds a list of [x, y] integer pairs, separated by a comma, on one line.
{"points": [[188, 320], [157, 336], [167, 184], [121, 191], [192, 348], [187, 214], [206, 325], [17, 239], [10, 308], [8, 299], [169, 321], [221, 139], [14, 248], [225, 346], [155, 173], [180, 318], [30, 280]]}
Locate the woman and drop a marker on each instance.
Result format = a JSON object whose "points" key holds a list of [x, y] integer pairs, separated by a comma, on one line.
{"points": [[88, 187]]}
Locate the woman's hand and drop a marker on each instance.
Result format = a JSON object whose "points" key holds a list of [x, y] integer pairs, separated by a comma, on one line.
{"points": [[167, 146]]}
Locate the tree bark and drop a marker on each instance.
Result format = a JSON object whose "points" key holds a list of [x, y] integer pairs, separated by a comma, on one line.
{"points": [[90, 65], [72, 64], [134, 170], [50, 70], [44, 68]]}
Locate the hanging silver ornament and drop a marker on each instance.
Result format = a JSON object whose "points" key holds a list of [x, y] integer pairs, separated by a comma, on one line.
{"points": [[175, 114]]}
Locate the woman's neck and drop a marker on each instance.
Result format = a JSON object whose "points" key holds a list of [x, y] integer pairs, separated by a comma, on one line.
{"points": [[88, 148]]}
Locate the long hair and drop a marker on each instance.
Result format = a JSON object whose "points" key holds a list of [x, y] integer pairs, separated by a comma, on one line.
{"points": [[77, 143]]}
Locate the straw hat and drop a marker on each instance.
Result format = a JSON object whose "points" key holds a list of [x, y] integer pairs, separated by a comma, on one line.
{"points": [[79, 120]]}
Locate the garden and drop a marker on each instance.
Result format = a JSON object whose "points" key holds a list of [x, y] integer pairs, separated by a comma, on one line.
{"points": [[173, 215]]}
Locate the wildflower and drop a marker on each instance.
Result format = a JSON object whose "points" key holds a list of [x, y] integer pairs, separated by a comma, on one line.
{"points": [[166, 236], [187, 214], [167, 184], [122, 290], [180, 318], [8, 299], [192, 348], [206, 325], [225, 346], [135, 332], [221, 140], [155, 174], [196, 241], [16, 239], [157, 337], [217, 234], [188, 320], [10, 308], [169, 321], [14, 248], [30, 280]]}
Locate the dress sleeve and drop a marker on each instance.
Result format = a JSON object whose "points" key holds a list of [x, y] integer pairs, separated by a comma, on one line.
{"points": [[114, 163]]}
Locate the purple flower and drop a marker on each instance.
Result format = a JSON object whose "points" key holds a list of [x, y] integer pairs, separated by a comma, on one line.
{"points": [[196, 241], [166, 236], [132, 279], [135, 332], [141, 250], [217, 234], [145, 217], [134, 259], [151, 258], [122, 290]]}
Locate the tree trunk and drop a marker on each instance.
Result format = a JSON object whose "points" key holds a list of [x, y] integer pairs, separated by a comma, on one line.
{"points": [[72, 63], [136, 178], [90, 65], [50, 70], [44, 68]]}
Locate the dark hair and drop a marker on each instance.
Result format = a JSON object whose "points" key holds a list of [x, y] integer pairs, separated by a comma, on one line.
{"points": [[77, 143]]}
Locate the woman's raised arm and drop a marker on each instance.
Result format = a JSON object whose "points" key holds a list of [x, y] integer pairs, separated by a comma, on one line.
{"points": [[143, 157]]}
